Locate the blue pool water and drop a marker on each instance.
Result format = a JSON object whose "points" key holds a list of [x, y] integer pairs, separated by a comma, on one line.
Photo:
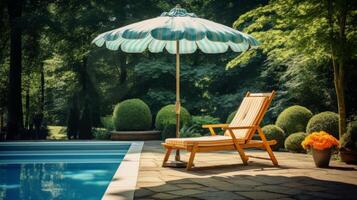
{"points": [[58, 170]]}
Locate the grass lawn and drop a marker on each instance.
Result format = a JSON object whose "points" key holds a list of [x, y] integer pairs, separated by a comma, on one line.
{"points": [[57, 133]]}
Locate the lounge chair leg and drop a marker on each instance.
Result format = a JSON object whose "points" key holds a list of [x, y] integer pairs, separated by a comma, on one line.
{"points": [[267, 147], [239, 148], [167, 155], [192, 157], [242, 154]]}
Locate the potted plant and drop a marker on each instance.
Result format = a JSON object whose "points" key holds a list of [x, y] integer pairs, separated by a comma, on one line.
{"points": [[321, 145], [348, 149]]}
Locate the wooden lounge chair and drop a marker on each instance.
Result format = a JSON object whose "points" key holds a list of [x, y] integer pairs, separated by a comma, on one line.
{"points": [[238, 134]]}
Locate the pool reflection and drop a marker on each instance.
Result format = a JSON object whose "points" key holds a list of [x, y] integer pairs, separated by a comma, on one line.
{"points": [[55, 180]]}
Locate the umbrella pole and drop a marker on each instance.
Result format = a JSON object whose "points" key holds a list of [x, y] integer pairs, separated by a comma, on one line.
{"points": [[177, 106]]}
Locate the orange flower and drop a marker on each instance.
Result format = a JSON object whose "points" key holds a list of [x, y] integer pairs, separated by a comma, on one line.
{"points": [[320, 141]]}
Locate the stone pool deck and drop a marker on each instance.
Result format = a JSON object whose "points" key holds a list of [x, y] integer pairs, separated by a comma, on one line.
{"points": [[221, 175]]}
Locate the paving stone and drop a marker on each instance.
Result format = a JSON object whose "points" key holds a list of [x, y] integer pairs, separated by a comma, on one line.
{"points": [[219, 195], [149, 179], [189, 186], [187, 198], [325, 195], [279, 189], [211, 182], [296, 178], [209, 189], [261, 195], [186, 192], [142, 193], [164, 188], [165, 196]]}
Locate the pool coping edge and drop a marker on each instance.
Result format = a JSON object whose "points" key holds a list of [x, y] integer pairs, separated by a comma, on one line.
{"points": [[123, 183]]}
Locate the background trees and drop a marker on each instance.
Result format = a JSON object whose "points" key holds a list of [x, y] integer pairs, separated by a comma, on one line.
{"points": [[48, 65]]}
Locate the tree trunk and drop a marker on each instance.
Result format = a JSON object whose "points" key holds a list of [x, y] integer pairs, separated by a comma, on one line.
{"points": [[338, 56], [42, 98], [15, 118], [27, 105], [339, 88]]}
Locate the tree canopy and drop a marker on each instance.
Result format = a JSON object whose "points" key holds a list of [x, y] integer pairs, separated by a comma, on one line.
{"points": [[49, 66]]}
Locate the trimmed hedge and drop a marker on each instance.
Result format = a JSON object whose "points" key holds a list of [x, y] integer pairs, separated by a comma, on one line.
{"points": [[293, 119], [132, 115], [230, 117], [293, 142], [325, 121], [169, 131], [107, 122], [167, 115], [273, 132]]}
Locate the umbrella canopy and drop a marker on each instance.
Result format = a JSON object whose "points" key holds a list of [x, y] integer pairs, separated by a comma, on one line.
{"points": [[179, 32], [162, 32]]}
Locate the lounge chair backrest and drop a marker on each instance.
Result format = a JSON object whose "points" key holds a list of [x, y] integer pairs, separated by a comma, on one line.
{"points": [[250, 113]]}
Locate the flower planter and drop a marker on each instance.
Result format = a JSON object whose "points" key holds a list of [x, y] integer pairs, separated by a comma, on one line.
{"points": [[321, 157], [349, 157]]}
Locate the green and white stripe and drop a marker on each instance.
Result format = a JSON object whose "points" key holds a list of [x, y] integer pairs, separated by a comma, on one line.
{"points": [[162, 33]]}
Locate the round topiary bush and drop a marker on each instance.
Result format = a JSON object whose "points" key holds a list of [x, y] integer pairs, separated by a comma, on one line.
{"points": [[273, 132], [230, 117], [293, 142], [293, 119], [169, 131], [167, 115], [325, 121], [132, 115]]}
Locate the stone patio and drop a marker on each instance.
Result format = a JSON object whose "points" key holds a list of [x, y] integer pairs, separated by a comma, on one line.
{"points": [[221, 175]]}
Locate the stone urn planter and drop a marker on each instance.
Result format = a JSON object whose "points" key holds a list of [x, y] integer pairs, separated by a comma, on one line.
{"points": [[321, 157]]}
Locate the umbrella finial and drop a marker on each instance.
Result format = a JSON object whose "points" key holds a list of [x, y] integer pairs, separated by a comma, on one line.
{"points": [[178, 6]]}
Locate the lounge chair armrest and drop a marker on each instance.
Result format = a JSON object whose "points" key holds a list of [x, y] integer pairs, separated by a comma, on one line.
{"points": [[238, 127], [212, 126]]}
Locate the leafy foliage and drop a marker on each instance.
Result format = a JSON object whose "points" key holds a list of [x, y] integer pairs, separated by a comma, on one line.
{"points": [[325, 121], [169, 131], [230, 117], [293, 142], [273, 132], [167, 115], [349, 139], [107, 122], [293, 119], [198, 121], [132, 115]]}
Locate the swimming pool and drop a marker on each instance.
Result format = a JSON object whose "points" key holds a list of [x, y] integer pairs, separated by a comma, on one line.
{"points": [[58, 170]]}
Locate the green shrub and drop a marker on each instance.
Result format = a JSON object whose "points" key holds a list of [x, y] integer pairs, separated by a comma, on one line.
{"points": [[189, 131], [293, 142], [293, 119], [230, 117], [273, 132], [167, 115], [198, 121], [101, 134], [132, 115], [169, 131], [349, 139], [107, 122], [325, 121]]}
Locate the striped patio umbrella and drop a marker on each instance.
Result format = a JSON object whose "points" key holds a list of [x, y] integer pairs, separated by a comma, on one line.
{"points": [[179, 32]]}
